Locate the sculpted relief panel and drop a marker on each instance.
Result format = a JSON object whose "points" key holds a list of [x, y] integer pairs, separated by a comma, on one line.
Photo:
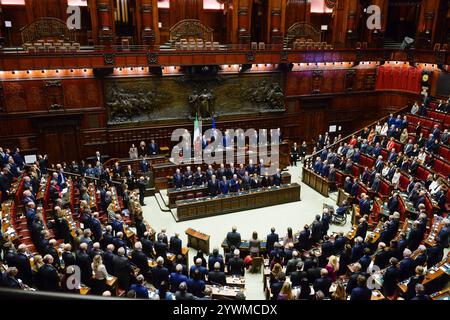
{"points": [[154, 99]]}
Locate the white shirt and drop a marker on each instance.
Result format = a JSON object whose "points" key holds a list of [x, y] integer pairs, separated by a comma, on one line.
{"points": [[396, 178]]}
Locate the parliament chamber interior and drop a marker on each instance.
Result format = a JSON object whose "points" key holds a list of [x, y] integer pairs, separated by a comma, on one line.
{"points": [[225, 149]]}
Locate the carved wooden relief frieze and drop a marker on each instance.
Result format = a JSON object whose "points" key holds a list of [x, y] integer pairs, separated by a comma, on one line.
{"points": [[55, 94], [317, 79], [350, 80], [109, 58]]}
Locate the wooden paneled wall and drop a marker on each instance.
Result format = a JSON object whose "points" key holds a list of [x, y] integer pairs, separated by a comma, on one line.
{"points": [[80, 128], [346, 25]]}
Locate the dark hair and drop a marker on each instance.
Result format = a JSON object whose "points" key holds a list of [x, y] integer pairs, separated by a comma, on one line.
{"points": [[254, 235], [289, 232], [163, 288]]}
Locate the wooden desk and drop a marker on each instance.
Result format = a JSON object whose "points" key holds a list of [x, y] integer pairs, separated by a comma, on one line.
{"points": [[244, 247], [85, 290], [224, 292], [247, 200], [198, 240], [171, 257], [236, 281], [318, 183], [6, 213], [174, 193], [441, 295], [434, 230], [163, 172], [432, 274], [111, 281]]}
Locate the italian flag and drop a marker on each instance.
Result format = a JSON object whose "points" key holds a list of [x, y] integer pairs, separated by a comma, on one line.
{"points": [[197, 139]]}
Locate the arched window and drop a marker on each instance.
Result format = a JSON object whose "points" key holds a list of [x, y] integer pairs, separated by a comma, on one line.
{"points": [[164, 4], [212, 5], [77, 3], [13, 2], [319, 6]]}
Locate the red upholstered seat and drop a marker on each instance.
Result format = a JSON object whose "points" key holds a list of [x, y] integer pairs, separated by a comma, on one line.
{"points": [[180, 197], [422, 173], [385, 189], [190, 196], [199, 195], [444, 152], [366, 161], [404, 182], [339, 178], [355, 170], [385, 153], [401, 209]]}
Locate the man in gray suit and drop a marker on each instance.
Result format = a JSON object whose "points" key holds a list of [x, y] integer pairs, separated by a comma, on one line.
{"points": [[234, 238], [182, 293], [292, 263]]}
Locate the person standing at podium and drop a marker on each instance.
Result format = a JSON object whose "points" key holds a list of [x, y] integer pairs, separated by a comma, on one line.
{"points": [[153, 148], [199, 178], [224, 185], [213, 186], [178, 179], [209, 173], [234, 184], [188, 177]]}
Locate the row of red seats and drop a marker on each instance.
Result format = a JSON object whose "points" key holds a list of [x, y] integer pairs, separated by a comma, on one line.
{"points": [[440, 116], [424, 121]]}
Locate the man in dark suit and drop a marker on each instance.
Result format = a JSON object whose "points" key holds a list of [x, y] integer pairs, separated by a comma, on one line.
{"points": [[213, 186], [339, 242], [96, 227], [298, 275], [214, 258], [84, 261], [23, 265], [234, 238], [316, 230], [188, 177], [323, 283], [68, 256], [122, 269], [348, 185], [159, 273], [236, 265], [199, 177], [235, 186], [379, 164], [139, 259], [8, 279], [435, 253], [276, 286], [177, 277], [361, 292], [198, 266], [272, 237], [355, 188], [182, 293], [217, 277], [276, 178], [47, 278], [327, 248], [153, 148], [415, 237], [251, 169], [224, 185], [161, 247], [178, 179], [175, 244], [407, 265], [147, 245]]}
